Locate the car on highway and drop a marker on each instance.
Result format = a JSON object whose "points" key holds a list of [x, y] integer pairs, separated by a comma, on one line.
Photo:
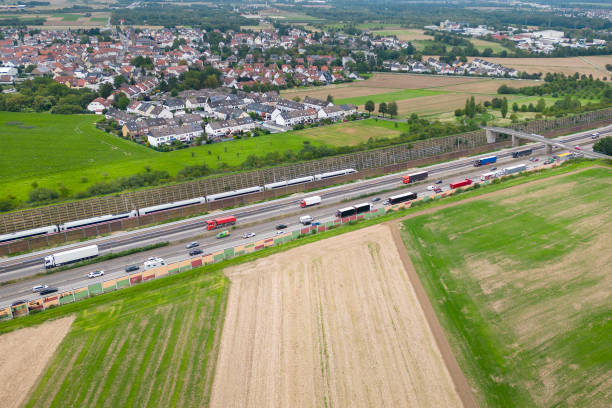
{"points": [[314, 224], [48, 290], [248, 235], [577, 148], [223, 234], [132, 268], [95, 274], [386, 202], [431, 188], [595, 135], [192, 245], [280, 232], [38, 288], [19, 302], [194, 252], [493, 168], [439, 182], [437, 190], [376, 199], [533, 159], [281, 226]]}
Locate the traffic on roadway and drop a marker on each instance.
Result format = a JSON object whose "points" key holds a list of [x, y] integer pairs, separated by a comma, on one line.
{"points": [[251, 223]]}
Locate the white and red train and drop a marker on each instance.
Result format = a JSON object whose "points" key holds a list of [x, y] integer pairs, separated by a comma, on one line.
{"points": [[51, 229]]}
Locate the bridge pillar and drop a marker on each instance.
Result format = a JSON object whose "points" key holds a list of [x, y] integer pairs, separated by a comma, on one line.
{"points": [[491, 136], [515, 141], [548, 150]]}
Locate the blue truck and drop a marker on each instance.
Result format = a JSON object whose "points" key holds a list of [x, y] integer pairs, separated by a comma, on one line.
{"points": [[485, 160]]}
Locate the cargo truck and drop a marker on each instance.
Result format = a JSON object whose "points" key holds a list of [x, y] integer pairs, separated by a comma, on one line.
{"points": [[220, 222], [308, 201], [484, 161], [461, 183], [522, 153], [413, 178], [72, 255], [488, 176], [515, 169]]}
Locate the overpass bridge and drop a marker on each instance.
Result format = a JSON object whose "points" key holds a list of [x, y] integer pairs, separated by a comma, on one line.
{"points": [[493, 132]]}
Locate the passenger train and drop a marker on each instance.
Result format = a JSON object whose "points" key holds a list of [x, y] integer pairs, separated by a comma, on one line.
{"points": [[51, 229]]}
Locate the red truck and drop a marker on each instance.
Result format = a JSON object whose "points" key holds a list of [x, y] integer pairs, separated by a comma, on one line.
{"points": [[461, 183], [220, 222]]}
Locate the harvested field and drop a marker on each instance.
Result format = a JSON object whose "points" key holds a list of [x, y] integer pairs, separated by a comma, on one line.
{"points": [[435, 104], [524, 289], [24, 354], [333, 323], [594, 65]]}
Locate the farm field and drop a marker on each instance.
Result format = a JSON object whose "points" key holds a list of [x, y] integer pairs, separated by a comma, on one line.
{"points": [[390, 96], [332, 323], [404, 34], [153, 345], [521, 284], [588, 65]]}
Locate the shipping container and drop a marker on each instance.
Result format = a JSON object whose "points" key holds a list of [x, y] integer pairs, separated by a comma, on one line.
{"points": [[485, 161], [522, 153], [461, 183], [400, 198], [413, 178]]}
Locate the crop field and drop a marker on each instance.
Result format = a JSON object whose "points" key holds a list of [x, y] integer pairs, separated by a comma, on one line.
{"points": [[333, 323], [588, 65], [390, 96], [351, 133], [148, 346], [404, 34], [521, 284]]}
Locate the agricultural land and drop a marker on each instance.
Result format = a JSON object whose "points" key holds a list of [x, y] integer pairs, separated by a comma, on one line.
{"points": [[332, 323], [521, 283], [150, 346]]}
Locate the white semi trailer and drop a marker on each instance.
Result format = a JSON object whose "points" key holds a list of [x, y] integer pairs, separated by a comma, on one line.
{"points": [[72, 255]]}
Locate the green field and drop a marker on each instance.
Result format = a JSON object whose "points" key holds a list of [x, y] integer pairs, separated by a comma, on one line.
{"points": [[521, 284], [389, 96], [153, 345], [67, 17], [352, 133]]}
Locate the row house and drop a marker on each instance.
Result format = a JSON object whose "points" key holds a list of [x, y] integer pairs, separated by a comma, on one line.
{"points": [[166, 135], [295, 117], [229, 127]]}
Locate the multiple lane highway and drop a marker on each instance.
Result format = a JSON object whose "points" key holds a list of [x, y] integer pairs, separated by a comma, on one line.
{"points": [[260, 219]]}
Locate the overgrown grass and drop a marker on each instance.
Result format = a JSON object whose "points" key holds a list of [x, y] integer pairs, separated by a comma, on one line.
{"points": [[501, 278]]}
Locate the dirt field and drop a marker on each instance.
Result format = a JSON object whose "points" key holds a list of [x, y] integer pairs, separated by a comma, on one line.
{"points": [[23, 356], [334, 323], [594, 65]]}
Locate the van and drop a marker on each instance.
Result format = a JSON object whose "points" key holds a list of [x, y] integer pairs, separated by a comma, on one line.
{"points": [[305, 219]]}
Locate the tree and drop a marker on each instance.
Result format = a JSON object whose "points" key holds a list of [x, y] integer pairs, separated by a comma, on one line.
{"points": [[504, 108], [382, 108], [392, 109], [105, 90], [604, 145], [122, 102], [515, 107], [541, 105], [118, 80], [370, 107], [330, 99], [42, 194]]}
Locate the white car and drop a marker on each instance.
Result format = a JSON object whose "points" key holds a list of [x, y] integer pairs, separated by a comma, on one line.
{"points": [[280, 232], [38, 288], [431, 188], [248, 235], [95, 274]]}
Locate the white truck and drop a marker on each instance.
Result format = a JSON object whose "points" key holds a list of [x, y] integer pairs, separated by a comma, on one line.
{"points": [[306, 219], [72, 255], [308, 201], [515, 169], [153, 263]]}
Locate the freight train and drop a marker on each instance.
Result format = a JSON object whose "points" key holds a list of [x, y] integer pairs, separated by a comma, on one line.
{"points": [[51, 229]]}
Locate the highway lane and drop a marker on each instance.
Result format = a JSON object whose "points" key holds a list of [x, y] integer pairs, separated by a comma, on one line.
{"points": [[186, 232]]}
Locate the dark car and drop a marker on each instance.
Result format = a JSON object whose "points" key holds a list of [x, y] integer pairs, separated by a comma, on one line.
{"points": [[48, 290], [19, 302], [132, 268], [376, 199], [195, 252], [439, 182], [281, 226]]}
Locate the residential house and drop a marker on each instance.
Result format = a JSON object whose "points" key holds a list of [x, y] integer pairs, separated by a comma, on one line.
{"points": [[228, 127], [166, 135], [98, 105]]}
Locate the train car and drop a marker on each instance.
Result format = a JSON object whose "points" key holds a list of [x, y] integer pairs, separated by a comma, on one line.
{"points": [[96, 220], [233, 193], [170, 206], [331, 174], [29, 233], [400, 198], [414, 177], [281, 184]]}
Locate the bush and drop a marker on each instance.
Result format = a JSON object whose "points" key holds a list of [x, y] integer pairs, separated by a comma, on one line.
{"points": [[42, 194]]}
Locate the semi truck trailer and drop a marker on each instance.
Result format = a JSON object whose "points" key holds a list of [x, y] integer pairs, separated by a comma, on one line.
{"points": [[72, 255], [485, 160], [413, 178], [308, 201], [515, 169], [461, 183], [400, 198], [220, 222], [522, 153]]}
